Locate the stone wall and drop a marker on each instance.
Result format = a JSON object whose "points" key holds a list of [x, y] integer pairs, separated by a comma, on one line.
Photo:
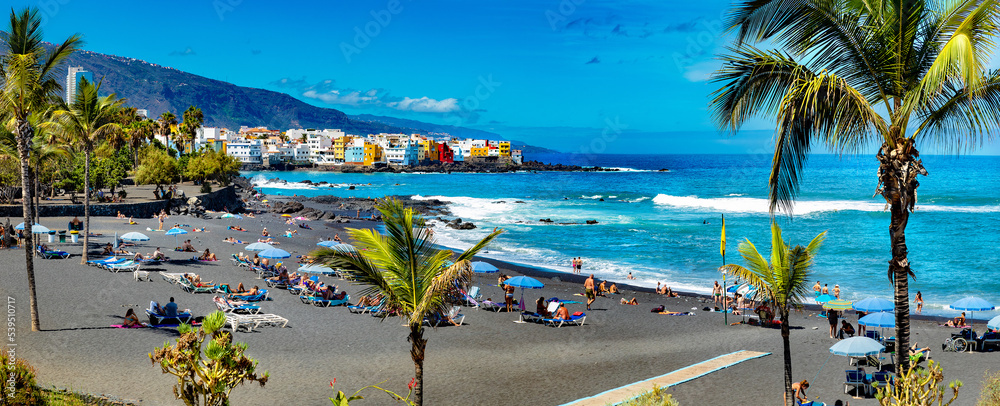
{"points": [[218, 200]]}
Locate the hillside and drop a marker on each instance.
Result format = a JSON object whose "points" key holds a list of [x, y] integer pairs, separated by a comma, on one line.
{"points": [[454, 131]]}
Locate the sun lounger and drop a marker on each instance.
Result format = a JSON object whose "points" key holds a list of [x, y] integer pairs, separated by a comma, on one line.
{"points": [[95, 262], [50, 254], [857, 380], [236, 321], [491, 305], [453, 314], [575, 319], [529, 317], [140, 275], [254, 321], [172, 277], [187, 286], [156, 317], [228, 307], [260, 297], [105, 264], [127, 266], [319, 301], [882, 379]]}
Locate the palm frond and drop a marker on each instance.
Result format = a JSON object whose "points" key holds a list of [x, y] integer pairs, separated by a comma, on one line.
{"points": [[960, 119]]}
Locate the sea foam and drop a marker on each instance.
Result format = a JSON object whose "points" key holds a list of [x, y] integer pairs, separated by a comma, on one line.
{"points": [[757, 205]]}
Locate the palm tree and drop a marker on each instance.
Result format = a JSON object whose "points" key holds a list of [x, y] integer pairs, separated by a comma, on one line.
{"points": [[193, 119], [87, 121], [28, 76], [783, 282], [406, 269], [138, 133], [851, 74], [166, 121]]}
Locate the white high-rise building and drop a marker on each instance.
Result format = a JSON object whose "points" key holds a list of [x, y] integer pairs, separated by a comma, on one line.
{"points": [[73, 77]]}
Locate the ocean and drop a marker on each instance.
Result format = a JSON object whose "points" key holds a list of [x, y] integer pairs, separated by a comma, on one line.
{"points": [[665, 226]]}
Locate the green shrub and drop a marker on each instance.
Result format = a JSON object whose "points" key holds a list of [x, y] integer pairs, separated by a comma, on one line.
{"points": [[918, 386], [656, 397], [206, 187], [26, 391], [991, 390]]}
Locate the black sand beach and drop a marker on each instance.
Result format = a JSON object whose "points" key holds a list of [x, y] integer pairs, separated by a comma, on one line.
{"points": [[490, 360]]}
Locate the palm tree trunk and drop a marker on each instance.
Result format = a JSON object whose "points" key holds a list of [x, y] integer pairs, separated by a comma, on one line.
{"points": [[789, 395], [31, 205], [417, 353], [898, 172], [38, 195], [86, 204], [24, 135]]}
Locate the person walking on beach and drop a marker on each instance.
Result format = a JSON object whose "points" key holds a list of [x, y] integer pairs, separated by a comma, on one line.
{"points": [[833, 317], [836, 291], [920, 302], [588, 286], [509, 296], [717, 293]]}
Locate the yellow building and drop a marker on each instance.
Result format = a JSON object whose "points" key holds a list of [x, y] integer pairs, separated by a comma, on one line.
{"points": [[373, 153], [429, 148], [504, 148], [481, 151], [339, 144]]}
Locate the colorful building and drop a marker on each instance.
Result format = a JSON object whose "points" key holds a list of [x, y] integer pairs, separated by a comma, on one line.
{"points": [[445, 154], [373, 154]]}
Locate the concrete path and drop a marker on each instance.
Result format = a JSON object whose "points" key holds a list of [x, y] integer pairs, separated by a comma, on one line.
{"points": [[619, 395]]}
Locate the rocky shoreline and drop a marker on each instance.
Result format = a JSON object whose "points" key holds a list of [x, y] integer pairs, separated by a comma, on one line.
{"points": [[458, 167]]}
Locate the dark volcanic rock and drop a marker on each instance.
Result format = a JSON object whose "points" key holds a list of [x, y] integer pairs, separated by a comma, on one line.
{"points": [[546, 220], [591, 221]]}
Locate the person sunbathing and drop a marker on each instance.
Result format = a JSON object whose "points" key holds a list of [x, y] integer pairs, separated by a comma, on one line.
{"points": [[199, 230], [131, 320], [562, 313], [237, 228], [131, 222], [305, 226], [264, 233], [541, 307], [268, 241], [336, 237], [632, 302], [613, 289], [158, 255], [207, 256], [244, 296], [120, 215], [196, 281], [232, 240], [138, 257], [957, 322], [601, 289], [108, 249], [187, 247], [925, 352]]}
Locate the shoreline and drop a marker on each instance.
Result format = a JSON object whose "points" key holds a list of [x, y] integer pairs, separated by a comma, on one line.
{"points": [[432, 167]]}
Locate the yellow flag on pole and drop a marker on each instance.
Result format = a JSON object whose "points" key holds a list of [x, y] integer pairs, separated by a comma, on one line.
{"points": [[722, 247]]}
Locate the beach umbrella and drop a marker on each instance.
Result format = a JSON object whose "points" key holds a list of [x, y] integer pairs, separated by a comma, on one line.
{"points": [[300, 218], [732, 289], [330, 244], [857, 347], [259, 246], [880, 319], [286, 215], [134, 236], [524, 282], [824, 298], [175, 232], [994, 323], [35, 228], [484, 267], [274, 253], [231, 216], [316, 268], [972, 304], [838, 304], [874, 304]]}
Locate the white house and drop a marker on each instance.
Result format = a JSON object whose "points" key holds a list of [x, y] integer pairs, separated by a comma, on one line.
{"points": [[246, 151]]}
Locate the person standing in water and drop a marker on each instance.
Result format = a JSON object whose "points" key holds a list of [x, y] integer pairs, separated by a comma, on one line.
{"points": [[920, 302]]}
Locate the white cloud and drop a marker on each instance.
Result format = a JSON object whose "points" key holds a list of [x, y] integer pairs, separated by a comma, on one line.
{"points": [[426, 105], [701, 71]]}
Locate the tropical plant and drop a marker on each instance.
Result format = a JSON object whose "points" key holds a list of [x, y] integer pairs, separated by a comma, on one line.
{"points": [[854, 74], [138, 133], [20, 388], [87, 121], [342, 399], [990, 395], [783, 282], [165, 125], [207, 380], [917, 386], [406, 269], [193, 119], [658, 396], [156, 168], [28, 75]]}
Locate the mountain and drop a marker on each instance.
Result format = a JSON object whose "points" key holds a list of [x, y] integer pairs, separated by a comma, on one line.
{"points": [[159, 88]]}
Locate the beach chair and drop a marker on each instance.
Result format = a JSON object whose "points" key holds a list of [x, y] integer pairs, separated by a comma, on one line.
{"points": [[140, 275], [471, 298], [880, 379], [237, 321], [454, 314], [127, 266], [106, 264], [172, 277], [50, 254], [857, 380], [529, 317], [491, 305], [320, 302], [156, 317], [188, 287], [228, 307], [260, 297], [576, 319], [874, 335]]}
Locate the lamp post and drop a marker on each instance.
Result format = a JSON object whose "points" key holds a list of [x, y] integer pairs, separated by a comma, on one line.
{"points": [[725, 296]]}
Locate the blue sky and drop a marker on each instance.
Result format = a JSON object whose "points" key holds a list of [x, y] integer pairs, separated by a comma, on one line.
{"points": [[595, 75]]}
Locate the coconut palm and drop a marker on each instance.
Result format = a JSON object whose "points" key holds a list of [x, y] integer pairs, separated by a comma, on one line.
{"points": [[193, 119], [137, 134], [865, 73], [87, 121], [406, 269], [783, 282], [165, 124], [28, 76]]}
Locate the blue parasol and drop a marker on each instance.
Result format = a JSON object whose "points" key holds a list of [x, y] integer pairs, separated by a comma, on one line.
{"points": [[972, 304], [874, 304], [880, 319], [175, 232], [994, 323], [258, 246], [135, 236], [824, 298], [857, 347], [274, 253], [484, 267], [524, 282]]}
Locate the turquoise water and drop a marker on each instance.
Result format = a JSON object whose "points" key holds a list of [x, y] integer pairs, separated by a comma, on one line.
{"points": [[653, 224]]}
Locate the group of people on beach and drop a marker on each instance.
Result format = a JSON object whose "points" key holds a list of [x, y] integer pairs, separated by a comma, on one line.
{"points": [[577, 265]]}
